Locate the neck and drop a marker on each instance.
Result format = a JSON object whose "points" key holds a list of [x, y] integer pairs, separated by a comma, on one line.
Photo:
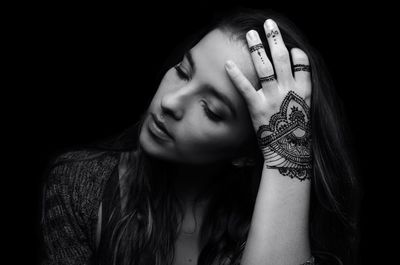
{"points": [[192, 186], [192, 182]]}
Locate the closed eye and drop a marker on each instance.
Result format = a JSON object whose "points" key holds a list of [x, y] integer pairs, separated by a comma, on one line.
{"points": [[186, 77], [181, 74], [210, 114]]}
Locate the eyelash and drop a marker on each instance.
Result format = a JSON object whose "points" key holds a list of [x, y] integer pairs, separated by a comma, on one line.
{"points": [[209, 113], [182, 75]]}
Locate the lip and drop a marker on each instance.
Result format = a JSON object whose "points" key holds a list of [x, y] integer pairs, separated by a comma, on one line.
{"points": [[159, 129]]}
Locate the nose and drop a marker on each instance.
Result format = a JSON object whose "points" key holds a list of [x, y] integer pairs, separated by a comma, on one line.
{"points": [[173, 103]]}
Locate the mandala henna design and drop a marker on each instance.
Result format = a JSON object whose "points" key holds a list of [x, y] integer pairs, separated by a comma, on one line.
{"points": [[286, 140]]}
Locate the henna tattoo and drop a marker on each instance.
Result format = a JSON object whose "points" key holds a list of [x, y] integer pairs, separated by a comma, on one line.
{"points": [[301, 174], [273, 34], [301, 67], [262, 59], [286, 140], [256, 47], [267, 78]]}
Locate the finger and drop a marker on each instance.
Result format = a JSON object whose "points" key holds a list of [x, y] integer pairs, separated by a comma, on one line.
{"points": [[279, 52], [263, 65], [244, 86], [301, 67]]}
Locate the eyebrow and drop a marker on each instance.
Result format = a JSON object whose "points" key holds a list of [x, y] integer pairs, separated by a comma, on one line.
{"points": [[223, 98]]}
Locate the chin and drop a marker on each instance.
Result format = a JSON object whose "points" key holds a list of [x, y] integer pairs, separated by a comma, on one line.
{"points": [[147, 143], [152, 147]]}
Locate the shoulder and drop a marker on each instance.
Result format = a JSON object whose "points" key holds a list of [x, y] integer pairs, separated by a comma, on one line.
{"points": [[75, 183], [81, 172], [84, 157], [77, 167]]}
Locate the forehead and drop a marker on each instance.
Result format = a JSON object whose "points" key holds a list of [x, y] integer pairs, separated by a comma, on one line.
{"points": [[211, 53]]}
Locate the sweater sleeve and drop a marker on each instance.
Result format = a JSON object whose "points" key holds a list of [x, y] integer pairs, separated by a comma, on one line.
{"points": [[71, 197]]}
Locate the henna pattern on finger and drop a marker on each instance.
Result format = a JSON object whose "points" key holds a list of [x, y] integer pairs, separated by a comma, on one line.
{"points": [[257, 48], [273, 34], [286, 140], [267, 78], [301, 67]]}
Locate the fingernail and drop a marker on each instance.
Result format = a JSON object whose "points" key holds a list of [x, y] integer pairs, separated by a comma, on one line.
{"points": [[252, 35], [229, 65], [270, 23]]}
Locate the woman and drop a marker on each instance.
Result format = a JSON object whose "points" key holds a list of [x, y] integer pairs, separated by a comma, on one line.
{"points": [[239, 159]]}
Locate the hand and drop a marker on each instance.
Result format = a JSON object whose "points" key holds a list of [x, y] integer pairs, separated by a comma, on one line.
{"points": [[280, 110]]}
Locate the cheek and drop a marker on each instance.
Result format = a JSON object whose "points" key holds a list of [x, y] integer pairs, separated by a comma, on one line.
{"points": [[211, 139]]}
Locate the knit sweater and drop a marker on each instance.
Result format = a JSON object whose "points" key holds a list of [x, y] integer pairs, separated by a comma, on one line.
{"points": [[71, 199]]}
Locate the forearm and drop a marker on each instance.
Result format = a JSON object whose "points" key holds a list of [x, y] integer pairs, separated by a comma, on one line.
{"points": [[280, 113], [279, 227]]}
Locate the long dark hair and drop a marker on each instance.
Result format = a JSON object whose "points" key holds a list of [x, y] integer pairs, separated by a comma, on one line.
{"points": [[145, 231]]}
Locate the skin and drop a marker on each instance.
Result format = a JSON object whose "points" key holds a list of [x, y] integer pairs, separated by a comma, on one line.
{"points": [[199, 143], [198, 140], [279, 228]]}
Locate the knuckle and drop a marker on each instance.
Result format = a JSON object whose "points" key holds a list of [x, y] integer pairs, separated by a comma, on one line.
{"points": [[244, 85], [281, 55], [264, 70], [299, 56], [237, 77], [258, 110], [306, 90]]}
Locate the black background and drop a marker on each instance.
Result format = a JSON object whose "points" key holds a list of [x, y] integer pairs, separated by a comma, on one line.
{"points": [[86, 71]]}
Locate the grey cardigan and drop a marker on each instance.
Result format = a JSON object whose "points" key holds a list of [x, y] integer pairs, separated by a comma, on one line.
{"points": [[72, 196]]}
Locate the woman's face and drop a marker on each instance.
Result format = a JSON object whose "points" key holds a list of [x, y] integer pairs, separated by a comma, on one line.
{"points": [[204, 114]]}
